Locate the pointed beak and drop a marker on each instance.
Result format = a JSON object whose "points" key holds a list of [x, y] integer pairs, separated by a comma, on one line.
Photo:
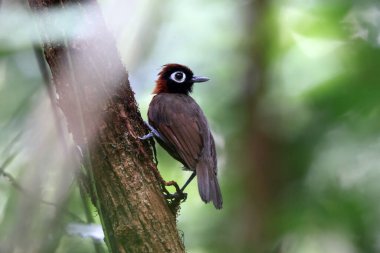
{"points": [[199, 79]]}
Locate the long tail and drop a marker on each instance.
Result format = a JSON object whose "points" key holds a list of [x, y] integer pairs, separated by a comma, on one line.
{"points": [[208, 185]]}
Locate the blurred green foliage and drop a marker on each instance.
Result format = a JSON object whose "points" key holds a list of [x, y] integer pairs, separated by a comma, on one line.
{"points": [[317, 108]]}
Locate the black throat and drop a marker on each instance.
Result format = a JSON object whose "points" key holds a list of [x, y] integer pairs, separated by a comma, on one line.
{"points": [[183, 88]]}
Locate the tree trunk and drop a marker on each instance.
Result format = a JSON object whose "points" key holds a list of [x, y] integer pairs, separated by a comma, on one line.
{"points": [[260, 148], [96, 99]]}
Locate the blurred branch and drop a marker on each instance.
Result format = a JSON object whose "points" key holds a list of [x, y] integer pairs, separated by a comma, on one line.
{"points": [[102, 115], [260, 146]]}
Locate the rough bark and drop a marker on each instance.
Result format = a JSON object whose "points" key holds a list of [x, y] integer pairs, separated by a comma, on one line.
{"points": [[96, 99]]}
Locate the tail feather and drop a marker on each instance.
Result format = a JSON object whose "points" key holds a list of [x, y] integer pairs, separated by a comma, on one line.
{"points": [[208, 185]]}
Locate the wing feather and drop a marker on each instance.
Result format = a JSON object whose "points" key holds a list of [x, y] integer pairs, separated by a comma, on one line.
{"points": [[179, 120], [186, 136]]}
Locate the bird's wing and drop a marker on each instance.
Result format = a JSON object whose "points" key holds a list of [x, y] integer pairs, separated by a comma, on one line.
{"points": [[182, 124]]}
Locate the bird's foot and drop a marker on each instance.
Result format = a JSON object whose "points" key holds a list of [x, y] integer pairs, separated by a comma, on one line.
{"points": [[147, 136], [153, 132], [177, 197]]}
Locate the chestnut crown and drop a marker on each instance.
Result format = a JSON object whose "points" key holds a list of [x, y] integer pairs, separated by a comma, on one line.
{"points": [[176, 78]]}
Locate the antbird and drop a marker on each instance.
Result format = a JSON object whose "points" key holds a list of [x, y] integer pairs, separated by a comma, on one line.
{"points": [[180, 127]]}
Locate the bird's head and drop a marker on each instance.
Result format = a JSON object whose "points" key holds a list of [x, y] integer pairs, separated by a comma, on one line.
{"points": [[176, 78]]}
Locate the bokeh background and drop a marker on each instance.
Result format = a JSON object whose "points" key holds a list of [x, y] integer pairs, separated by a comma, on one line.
{"points": [[293, 103]]}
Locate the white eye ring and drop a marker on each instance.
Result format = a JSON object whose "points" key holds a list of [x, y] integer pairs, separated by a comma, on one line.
{"points": [[178, 76]]}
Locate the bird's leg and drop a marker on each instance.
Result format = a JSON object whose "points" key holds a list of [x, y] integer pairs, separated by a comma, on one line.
{"points": [[179, 192], [147, 136], [188, 181], [153, 133], [178, 195]]}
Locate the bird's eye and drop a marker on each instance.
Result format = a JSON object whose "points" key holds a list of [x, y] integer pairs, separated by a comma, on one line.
{"points": [[178, 76]]}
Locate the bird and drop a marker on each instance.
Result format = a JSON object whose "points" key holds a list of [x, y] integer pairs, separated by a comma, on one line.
{"points": [[179, 125]]}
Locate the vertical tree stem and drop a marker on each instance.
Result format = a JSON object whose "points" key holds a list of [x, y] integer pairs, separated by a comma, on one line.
{"points": [[102, 115]]}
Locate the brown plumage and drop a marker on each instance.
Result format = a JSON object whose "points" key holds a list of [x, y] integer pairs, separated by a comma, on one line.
{"points": [[183, 128]]}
